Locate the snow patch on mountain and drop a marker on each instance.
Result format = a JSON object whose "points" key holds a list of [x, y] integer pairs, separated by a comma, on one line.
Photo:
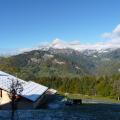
{"points": [[101, 47], [59, 62]]}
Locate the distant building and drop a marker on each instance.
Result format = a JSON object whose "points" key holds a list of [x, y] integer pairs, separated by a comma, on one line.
{"points": [[32, 96]]}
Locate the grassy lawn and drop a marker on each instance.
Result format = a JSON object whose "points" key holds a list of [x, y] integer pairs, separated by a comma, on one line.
{"points": [[99, 98]]}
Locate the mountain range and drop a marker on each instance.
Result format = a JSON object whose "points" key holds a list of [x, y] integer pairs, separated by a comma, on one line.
{"points": [[76, 45], [61, 60]]}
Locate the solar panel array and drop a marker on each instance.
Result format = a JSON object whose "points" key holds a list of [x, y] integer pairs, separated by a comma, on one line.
{"points": [[31, 90], [7, 79], [5, 83]]}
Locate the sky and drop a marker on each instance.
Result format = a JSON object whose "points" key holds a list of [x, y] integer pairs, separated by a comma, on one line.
{"points": [[29, 23]]}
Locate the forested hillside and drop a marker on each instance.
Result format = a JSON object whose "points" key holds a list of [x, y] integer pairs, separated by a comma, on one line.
{"points": [[67, 70]]}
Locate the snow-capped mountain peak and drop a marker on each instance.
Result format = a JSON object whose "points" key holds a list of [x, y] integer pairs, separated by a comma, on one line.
{"points": [[100, 47], [58, 44], [76, 45]]}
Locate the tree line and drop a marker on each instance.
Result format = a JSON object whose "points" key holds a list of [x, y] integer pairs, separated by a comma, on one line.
{"points": [[106, 86]]}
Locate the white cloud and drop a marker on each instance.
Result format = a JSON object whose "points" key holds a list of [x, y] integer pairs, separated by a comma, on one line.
{"points": [[106, 35], [25, 50], [114, 36]]}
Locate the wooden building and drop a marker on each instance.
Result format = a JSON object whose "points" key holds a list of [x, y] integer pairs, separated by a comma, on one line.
{"points": [[32, 95]]}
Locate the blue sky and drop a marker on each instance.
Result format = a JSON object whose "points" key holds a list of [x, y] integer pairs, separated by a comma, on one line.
{"points": [[27, 23]]}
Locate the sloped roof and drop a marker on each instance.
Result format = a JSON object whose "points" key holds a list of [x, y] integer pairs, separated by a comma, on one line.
{"points": [[31, 90], [7, 79]]}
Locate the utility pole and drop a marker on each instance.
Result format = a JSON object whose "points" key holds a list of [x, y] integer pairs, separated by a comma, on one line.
{"points": [[13, 92]]}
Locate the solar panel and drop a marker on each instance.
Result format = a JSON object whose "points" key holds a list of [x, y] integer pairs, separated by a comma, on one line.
{"points": [[5, 83], [31, 90], [7, 79]]}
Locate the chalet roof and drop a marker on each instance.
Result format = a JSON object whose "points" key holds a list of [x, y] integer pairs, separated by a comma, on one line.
{"points": [[31, 90]]}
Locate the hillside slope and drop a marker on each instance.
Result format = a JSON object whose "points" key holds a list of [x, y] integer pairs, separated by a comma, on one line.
{"points": [[62, 62]]}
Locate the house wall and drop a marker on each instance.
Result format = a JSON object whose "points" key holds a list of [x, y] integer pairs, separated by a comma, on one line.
{"points": [[21, 103], [5, 100], [5, 97]]}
